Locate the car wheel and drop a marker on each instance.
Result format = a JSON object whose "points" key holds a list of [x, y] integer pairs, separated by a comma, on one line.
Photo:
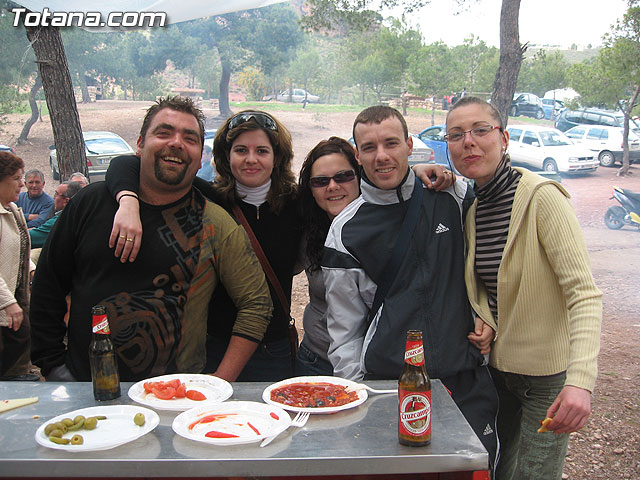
{"points": [[513, 111], [54, 172], [607, 158], [614, 218], [540, 114], [550, 166]]}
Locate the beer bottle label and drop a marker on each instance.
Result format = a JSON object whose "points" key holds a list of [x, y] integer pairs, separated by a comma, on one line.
{"points": [[414, 353], [415, 413], [101, 324]]}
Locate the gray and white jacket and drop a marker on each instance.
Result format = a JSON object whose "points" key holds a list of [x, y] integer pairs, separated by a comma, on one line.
{"points": [[428, 294]]}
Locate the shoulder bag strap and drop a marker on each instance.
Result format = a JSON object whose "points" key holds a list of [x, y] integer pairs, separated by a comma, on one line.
{"points": [[399, 251], [266, 266]]}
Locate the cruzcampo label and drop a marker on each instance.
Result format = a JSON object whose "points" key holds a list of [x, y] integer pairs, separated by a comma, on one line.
{"points": [[414, 353], [101, 324], [415, 413]]}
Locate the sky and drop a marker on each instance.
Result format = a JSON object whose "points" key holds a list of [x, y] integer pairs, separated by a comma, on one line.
{"points": [[552, 22]]}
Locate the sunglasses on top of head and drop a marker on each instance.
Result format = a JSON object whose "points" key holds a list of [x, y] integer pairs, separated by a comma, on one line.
{"points": [[344, 176], [262, 119]]}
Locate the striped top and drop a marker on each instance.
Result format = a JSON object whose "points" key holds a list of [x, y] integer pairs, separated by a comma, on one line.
{"points": [[493, 215]]}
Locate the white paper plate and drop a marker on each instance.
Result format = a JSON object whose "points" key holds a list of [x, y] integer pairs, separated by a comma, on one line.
{"points": [[117, 429], [214, 388], [250, 421], [362, 394]]}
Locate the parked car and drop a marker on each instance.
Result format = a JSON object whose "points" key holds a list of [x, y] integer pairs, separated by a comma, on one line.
{"points": [[548, 149], [433, 137], [526, 104], [589, 116], [421, 153], [297, 96], [606, 142], [6, 148], [552, 108], [209, 135], [101, 147]]}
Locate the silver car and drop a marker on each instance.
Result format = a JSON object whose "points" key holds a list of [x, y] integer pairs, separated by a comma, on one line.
{"points": [[101, 147], [297, 96]]}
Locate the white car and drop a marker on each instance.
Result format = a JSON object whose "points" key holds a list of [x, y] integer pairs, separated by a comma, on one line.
{"points": [[548, 149], [298, 95], [101, 147], [605, 142]]}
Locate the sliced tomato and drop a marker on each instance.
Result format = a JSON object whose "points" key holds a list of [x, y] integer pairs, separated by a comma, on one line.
{"points": [[166, 393], [215, 434], [195, 395], [181, 391], [148, 386], [175, 383]]}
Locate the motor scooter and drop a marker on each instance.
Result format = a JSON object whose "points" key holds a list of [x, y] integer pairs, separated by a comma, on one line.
{"points": [[627, 214]]}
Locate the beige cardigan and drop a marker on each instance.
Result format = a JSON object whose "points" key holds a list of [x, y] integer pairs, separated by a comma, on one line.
{"points": [[10, 259], [549, 308]]}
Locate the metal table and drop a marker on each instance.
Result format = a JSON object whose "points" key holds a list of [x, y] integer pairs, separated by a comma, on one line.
{"points": [[359, 441]]}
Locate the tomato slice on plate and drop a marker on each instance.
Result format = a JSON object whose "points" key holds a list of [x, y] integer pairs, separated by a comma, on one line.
{"points": [[195, 395], [181, 391], [166, 393], [175, 383]]}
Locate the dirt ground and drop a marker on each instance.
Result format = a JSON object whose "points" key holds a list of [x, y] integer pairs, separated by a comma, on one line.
{"points": [[609, 445]]}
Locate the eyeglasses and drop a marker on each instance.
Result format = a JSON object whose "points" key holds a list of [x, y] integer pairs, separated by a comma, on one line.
{"points": [[477, 132], [344, 176], [262, 119]]}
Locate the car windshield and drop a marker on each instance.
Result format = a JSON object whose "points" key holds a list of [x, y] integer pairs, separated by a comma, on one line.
{"points": [[106, 146], [551, 138]]}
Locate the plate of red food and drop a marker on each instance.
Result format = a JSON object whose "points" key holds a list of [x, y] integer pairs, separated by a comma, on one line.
{"points": [[231, 423], [180, 391], [315, 394]]}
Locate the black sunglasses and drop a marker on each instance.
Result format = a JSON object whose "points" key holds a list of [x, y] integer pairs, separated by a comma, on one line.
{"points": [[344, 176], [262, 119]]}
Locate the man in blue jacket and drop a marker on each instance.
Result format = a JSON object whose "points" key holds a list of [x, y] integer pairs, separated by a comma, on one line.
{"points": [[36, 205], [428, 292]]}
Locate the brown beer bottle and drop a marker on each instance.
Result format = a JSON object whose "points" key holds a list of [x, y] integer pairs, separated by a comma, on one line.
{"points": [[414, 395], [102, 356]]}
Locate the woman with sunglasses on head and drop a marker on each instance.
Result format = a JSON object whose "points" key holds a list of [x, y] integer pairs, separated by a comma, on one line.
{"points": [[253, 155], [528, 278]]}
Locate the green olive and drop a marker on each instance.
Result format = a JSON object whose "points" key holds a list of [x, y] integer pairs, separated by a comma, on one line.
{"points": [[62, 426], [139, 419], [77, 440], [67, 421], [49, 428], [78, 419], [56, 432], [101, 417], [90, 423], [77, 426], [60, 441]]}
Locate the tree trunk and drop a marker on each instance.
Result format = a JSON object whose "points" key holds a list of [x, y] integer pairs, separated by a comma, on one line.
{"points": [[86, 96], [511, 53], [35, 111], [225, 77], [58, 90], [433, 110], [625, 136], [403, 95]]}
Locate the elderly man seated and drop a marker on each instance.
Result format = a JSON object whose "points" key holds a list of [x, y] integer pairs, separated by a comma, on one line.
{"points": [[61, 198]]}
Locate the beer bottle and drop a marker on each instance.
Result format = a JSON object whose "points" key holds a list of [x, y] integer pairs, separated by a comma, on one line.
{"points": [[414, 395], [102, 356]]}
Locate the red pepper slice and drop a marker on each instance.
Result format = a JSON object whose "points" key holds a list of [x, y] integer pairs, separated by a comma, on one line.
{"points": [[273, 415], [253, 428], [215, 434]]}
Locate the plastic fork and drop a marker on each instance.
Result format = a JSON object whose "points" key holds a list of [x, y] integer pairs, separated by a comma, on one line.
{"points": [[362, 386], [298, 421]]}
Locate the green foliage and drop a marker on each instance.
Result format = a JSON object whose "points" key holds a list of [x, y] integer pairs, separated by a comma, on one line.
{"points": [[252, 80], [543, 72]]}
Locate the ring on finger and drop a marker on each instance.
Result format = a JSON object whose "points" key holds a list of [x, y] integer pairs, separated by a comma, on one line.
{"points": [[122, 236], [129, 239]]}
